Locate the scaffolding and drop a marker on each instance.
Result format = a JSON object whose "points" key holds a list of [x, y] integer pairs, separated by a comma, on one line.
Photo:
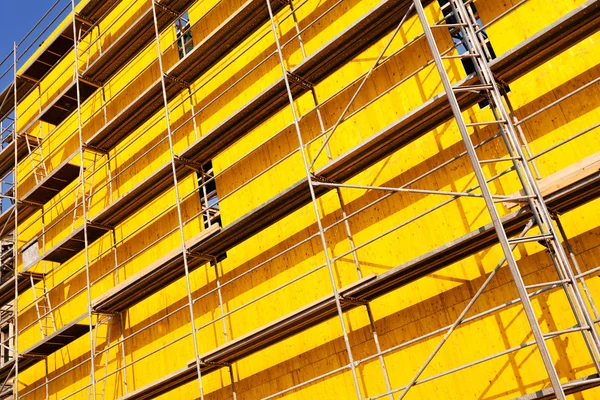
{"points": [[538, 201]]}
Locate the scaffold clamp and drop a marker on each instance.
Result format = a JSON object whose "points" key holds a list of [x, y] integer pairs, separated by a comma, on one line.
{"points": [[320, 179], [299, 80], [354, 300], [189, 163], [166, 9], [178, 81]]}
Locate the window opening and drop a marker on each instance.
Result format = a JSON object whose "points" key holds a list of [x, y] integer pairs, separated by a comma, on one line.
{"points": [[5, 337], [209, 199], [7, 181], [6, 263], [458, 39], [185, 44]]}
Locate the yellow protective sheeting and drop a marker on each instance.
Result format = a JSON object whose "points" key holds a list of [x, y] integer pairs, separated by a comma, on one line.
{"points": [[284, 267]]}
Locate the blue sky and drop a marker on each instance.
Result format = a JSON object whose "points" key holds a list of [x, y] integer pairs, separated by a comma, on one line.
{"points": [[18, 17]]}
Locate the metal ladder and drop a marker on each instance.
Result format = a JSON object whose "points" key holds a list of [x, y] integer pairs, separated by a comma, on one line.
{"points": [[104, 358], [43, 308], [484, 82], [78, 194], [36, 155]]}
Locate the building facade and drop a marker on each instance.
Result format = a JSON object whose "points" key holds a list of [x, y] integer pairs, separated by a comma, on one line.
{"points": [[340, 199]]}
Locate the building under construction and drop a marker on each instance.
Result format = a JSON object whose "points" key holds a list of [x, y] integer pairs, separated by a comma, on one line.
{"points": [[303, 199]]}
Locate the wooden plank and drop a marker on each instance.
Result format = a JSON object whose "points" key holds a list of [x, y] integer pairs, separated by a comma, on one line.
{"points": [[56, 180], [559, 180], [59, 339], [281, 328], [151, 272], [575, 386], [267, 335], [7, 289]]}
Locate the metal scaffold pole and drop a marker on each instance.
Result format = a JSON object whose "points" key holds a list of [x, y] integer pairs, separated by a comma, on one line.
{"points": [[581, 279], [327, 135], [358, 69], [84, 204], [541, 215], [323, 240], [15, 232], [178, 202], [537, 204], [503, 239]]}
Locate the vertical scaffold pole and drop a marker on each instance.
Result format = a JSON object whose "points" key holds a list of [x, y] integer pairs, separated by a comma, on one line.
{"points": [[352, 244], [15, 232], [490, 205], [123, 355], [536, 201], [122, 314], [177, 201], [584, 285], [83, 199], [314, 203]]}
